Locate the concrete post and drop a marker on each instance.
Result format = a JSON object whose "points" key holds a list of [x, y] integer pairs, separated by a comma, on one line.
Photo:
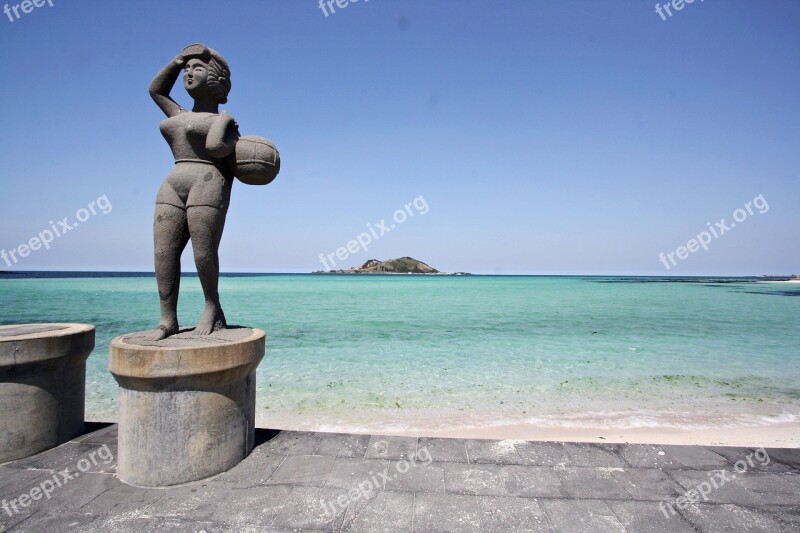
{"points": [[42, 386], [187, 404]]}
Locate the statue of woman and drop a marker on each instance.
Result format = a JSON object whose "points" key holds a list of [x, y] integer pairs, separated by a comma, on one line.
{"points": [[193, 200]]}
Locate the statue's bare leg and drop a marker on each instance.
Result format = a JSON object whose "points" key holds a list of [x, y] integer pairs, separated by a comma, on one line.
{"points": [[171, 233], [205, 228]]}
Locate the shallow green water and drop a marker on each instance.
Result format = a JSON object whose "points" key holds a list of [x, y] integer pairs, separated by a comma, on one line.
{"points": [[392, 353]]}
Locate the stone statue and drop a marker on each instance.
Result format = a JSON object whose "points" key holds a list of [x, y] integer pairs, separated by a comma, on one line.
{"points": [[193, 200]]}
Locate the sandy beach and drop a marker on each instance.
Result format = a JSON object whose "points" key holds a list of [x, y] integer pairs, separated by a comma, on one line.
{"points": [[781, 435], [777, 436]]}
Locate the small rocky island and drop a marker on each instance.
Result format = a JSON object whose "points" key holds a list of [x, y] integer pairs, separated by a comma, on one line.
{"points": [[404, 265]]}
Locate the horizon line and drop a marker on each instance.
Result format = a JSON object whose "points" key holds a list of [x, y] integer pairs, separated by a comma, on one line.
{"points": [[259, 273]]}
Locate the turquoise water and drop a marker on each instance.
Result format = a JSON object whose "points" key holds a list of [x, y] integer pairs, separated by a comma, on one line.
{"points": [[400, 353]]}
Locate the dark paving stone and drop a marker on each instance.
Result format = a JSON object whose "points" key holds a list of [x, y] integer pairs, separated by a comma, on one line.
{"points": [[502, 480], [190, 526], [46, 522], [581, 516], [443, 450], [712, 518], [197, 501], [543, 454], [104, 434], [368, 474], [125, 523], [474, 479], [75, 456], [292, 443], [311, 508], [392, 448], [787, 456], [328, 481], [342, 445], [256, 469], [121, 498], [788, 516], [78, 492], [596, 455], [647, 517], [752, 460], [533, 481], [446, 513], [648, 456], [647, 484], [16, 481], [725, 490], [793, 479], [768, 488], [11, 516], [513, 515], [255, 506], [591, 483], [386, 511], [138, 524], [696, 457], [306, 470], [499, 452], [254, 529], [405, 476]]}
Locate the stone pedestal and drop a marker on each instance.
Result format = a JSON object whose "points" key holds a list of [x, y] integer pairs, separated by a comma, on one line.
{"points": [[42, 386], [186, 405]]}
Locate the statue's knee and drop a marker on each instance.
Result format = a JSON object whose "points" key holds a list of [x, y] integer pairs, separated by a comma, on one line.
{"points": [[203, 260], [166, 253]]}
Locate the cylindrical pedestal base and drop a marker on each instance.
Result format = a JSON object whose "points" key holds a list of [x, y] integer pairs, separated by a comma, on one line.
{"points": [[187, 404], [42, 385]]}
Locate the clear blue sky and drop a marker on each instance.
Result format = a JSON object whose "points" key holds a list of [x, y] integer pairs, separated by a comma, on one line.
{"points": [[546, 137]]}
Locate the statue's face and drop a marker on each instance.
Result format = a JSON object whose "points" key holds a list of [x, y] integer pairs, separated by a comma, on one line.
{"points": [[195, 76]]}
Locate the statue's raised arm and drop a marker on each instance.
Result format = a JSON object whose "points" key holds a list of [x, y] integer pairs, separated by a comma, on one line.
{"points": [[162, 85]]}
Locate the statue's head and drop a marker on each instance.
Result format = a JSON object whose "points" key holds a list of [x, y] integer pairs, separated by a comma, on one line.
{"points": [[207, 72]]}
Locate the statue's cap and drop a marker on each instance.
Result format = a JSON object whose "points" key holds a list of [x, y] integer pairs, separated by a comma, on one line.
{"points": [[203, 52], [197, 50]]}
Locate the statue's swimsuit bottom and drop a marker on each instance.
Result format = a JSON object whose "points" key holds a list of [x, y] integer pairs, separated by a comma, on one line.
{"points": [[195, 183]]}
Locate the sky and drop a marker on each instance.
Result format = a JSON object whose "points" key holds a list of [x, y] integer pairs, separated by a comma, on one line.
{"points": [[524, 136]]}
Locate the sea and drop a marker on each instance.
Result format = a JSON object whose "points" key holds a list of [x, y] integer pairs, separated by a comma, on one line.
{"points": [[405, 354]]}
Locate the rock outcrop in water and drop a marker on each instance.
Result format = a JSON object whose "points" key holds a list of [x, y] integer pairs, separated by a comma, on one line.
{"points": [[404, 265]]}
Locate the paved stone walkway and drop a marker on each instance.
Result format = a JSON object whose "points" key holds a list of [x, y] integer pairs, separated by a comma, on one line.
{"points": [[334, 482]]}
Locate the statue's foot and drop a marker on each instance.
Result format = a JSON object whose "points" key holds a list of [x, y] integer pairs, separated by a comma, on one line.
{"points": [[162, 332], [213, 319]]}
